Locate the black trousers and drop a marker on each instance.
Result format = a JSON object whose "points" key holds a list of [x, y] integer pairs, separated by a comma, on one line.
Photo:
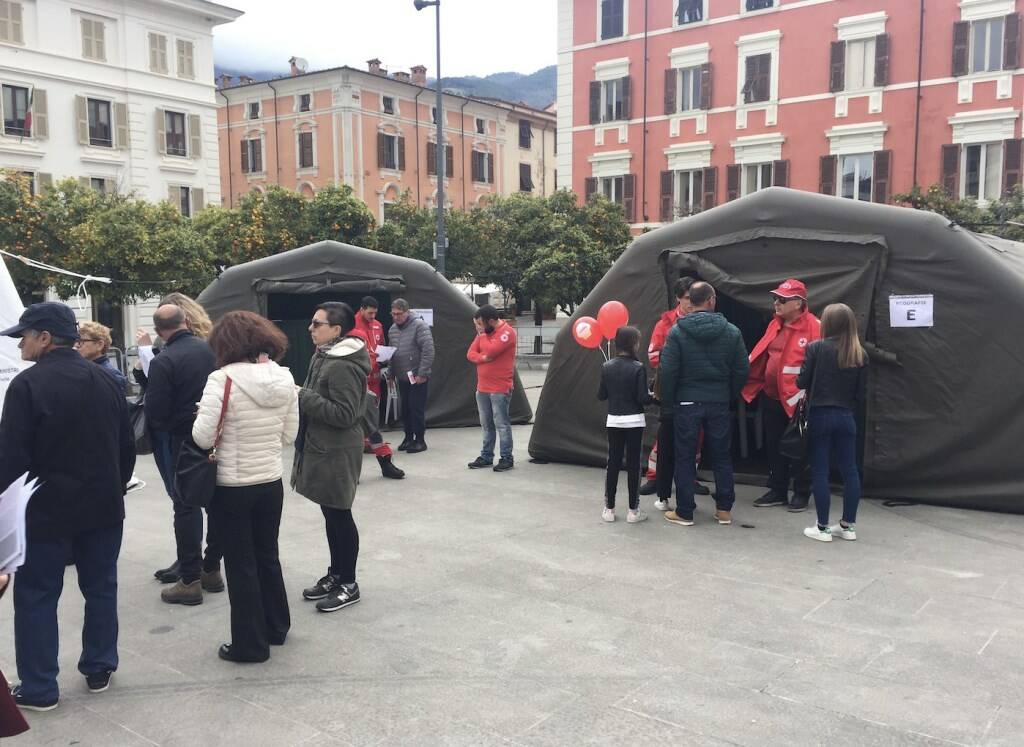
{"points": [[414, 408], [248, 519], [630, 442], [343, 541], [188, 532], [666, 467], [780, 469]]}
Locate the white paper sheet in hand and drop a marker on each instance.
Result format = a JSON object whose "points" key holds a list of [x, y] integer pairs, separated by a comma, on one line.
{"points": [[384, 353], [13, 503]]}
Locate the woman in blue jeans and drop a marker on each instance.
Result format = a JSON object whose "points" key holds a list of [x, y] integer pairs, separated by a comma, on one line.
{"points": [[834, 375]]}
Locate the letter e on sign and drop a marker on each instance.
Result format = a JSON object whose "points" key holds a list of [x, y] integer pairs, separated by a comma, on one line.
{"points": [[912, 311]]}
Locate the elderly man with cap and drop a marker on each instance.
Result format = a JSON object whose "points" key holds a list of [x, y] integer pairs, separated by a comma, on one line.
{"points": [[774, 365], [65, 422]]}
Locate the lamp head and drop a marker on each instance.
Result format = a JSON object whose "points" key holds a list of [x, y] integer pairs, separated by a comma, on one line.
{"points": [[421, 4]]}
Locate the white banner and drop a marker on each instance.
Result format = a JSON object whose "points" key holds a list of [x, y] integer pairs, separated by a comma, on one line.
{"points": [[11, 363]]}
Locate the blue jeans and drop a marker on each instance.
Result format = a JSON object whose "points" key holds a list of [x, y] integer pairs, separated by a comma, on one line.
{"points": [[714, 418], [37, 588], [833, 428], [493, 410], [161, 441]]}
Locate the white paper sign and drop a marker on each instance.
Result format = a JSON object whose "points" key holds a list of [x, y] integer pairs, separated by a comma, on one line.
{"points": [[911, 311], [426, 314], [384, 353]]}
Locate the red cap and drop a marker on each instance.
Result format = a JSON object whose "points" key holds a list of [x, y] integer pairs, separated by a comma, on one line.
{"points": [[791, 288]]}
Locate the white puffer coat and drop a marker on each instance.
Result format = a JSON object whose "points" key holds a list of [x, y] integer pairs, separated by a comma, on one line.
{"points": [[262, 416]]}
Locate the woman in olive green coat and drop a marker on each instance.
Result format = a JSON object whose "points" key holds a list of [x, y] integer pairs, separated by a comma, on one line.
{"points": [[329, 447]]}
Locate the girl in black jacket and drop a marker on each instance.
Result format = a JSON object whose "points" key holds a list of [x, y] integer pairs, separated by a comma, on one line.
{"points": [[624, 386]]}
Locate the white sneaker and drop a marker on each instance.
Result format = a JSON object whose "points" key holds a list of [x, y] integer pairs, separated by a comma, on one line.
{"points": [[634, 517], [608, 514], [822, 535], [661, 505], [847, 533]]}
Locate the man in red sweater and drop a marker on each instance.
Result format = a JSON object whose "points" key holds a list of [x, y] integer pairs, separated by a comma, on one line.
{"points": [[494, 352], [372, 332]]}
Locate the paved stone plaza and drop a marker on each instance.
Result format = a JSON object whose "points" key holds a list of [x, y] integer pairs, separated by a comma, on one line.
{"points": [[499, 609]]}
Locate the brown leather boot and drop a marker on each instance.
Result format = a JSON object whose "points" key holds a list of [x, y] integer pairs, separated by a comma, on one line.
{"points": [[182, 593], [212, 581]]}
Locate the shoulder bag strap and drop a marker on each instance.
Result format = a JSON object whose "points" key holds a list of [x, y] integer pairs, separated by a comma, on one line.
{"points": [[223, 413]]}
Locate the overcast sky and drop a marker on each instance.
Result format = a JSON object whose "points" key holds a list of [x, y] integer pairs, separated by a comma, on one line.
{"points": [[478, 37]]}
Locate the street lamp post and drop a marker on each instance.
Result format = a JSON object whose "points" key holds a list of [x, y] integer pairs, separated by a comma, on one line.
{"points": [[441, 247]]}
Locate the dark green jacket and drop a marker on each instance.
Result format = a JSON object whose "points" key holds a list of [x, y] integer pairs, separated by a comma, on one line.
{"points": [[704, 360]]}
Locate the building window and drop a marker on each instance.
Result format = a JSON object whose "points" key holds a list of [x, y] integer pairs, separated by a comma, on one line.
{"points": [[185, 201], [756, 176], [987, 45], [525, 178], [612, 18], [99, 184], [758, 4], [689, 191], [29, 178], [611, 187], [254, 110], [176, 138], [612, 100], [856, 176], [982, 170], [158, 54], [10, 23], [305, 150], [688, 92], [186, 59], [389, 152], [252, 156], [525, 134], [433, 114], [388, 104], [482, 166], [689, 11], [93, 41], [99, 123], [758, 85], [481, 126], [860, 64], [305, 102], [15, 103]]}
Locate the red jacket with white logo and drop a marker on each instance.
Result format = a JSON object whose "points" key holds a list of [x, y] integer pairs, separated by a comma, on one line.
{"points": [[497, 373], [798, 335], [660, 334], [373, 334]]}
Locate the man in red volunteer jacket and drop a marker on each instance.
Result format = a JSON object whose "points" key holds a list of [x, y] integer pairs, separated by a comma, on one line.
{"points": [[494, 352], [774, 365], [369, 329]]}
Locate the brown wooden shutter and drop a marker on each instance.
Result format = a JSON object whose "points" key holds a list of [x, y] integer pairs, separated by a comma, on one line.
{"points": [[670, 90], [431, 159], [750, 65], [589, 187], [961, 47], [382, 150], [705, 86], [732, 181], [490, 168], [449, 161], [837, 67], [1011, 165], [666, 196], [629, 197], [474, 166], [161, 132], [121, 139], [710, 180], [245, 156], [40, 114], [882, 60], [827, 175], [401, 153], [257, 156], [595, 102], [882, 176], [82, 119], [951, 170], [195, 136], [780, 173], [626, 98], [1011, 41]]}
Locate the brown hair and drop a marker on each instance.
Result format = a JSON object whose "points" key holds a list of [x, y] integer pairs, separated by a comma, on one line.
{"points": [[243, 336], [196, 316], [627, 340], [838, 323]]}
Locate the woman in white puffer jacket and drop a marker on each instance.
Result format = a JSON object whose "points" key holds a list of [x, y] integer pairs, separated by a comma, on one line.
{"points": [[262, 416]]}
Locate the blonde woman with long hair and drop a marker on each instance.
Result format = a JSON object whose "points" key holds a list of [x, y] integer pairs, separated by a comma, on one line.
{"points": [[834, 377], [195, 315]]}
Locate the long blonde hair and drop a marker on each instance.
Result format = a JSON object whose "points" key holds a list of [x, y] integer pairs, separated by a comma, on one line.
{"points": [[195, 315], [839, 323]]}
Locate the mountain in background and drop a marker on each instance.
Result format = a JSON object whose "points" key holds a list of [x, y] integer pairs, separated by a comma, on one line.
{"points": [[536, 89]]}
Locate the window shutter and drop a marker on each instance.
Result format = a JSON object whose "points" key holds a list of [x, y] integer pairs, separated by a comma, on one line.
{"points": [[186, 66], [882, 60], [626, 98], [951, 170], [449, 161], [629, 197], [750, 63], [670, 90], [245, 156], [40, 114], [16, 34], [82, 119], [589, 187], [666, 196], [86, 25], [837, 67], [490, 167], [382, 150], [1011, 165], [110, 186], [198, 200], [474, 166], [257, 156], [710, 187], [161, 132], [780, 173], [732, 182], [705, 86], [882, 175], [44, 181], [961, 46], [174, 196], [1011, 41], [195, 136], [122, 139], [84, 182], [154, 60], [401, 154], [827, 175], [595, 102], [431, 159]]}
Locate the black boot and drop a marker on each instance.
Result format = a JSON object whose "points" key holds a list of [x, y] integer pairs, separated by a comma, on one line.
{"points": [[405, 443], [168, 575], [649, 488], [388, 468]]}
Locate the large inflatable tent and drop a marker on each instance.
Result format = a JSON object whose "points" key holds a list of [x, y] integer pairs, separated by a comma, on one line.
{"points": [[941, 308], [287, 287]]}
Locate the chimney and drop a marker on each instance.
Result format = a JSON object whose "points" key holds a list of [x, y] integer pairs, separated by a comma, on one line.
{"points": [[225, 80], [245, 80], [294, 68], [374, 66], [419, 75], [402, 77]]}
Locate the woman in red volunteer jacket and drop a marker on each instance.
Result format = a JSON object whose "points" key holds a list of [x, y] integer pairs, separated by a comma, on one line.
{"points": [[774, 365], [494, 352]]}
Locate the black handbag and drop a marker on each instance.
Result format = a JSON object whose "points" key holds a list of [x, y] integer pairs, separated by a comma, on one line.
{"points": [[195, 473], [793, 443], [137, 418]]}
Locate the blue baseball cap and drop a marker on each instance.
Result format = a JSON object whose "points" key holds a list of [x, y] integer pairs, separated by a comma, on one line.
{"points": [[50, 316]]}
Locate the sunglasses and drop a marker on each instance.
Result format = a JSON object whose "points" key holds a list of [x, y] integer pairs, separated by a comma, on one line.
{"points": [[779, 300], [318, 323]]}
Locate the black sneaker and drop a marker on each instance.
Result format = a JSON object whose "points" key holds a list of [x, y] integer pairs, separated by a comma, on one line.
{"points": [[416, 446], [799, 503], [480, 463], [31, 704], [771, 498], [322, 588], [98, 682], [700, 488], [649, 488], [504, 465], [344, 596]]}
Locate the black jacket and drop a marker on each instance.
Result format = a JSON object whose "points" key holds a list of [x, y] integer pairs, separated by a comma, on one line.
{"points": [[177, 378], [624, 385], [833, 386], [65, 421], [704, 360]]}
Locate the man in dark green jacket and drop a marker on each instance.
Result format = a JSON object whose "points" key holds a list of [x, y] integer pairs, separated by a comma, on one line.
{"points": [[703, 368]]}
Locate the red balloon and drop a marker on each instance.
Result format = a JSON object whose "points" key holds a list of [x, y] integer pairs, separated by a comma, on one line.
{"points": [[586, 332], [612, 315]]}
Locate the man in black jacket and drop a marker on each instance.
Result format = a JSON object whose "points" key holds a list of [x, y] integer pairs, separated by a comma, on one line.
{"points": [[176, 380], [66, 423]]}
